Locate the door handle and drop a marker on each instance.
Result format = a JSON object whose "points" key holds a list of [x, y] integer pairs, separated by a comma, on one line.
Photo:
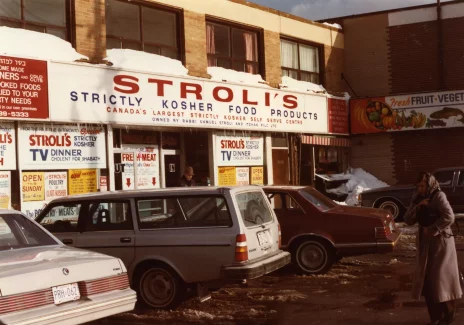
{"points": [[125, 240], [67, 241]]}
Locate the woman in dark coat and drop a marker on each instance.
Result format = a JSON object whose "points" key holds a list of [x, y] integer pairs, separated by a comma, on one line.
{"points": [[437, 274]]}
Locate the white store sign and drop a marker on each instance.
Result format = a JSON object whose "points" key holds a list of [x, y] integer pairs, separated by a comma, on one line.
{"points": [[5, 190], [56, 185], [53, 146], [147, 168], [7, 146], [243, 176], [105, 95], [236, 150]]}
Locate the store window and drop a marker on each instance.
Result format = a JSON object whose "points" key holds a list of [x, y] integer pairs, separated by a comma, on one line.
{"points": [[232, 47], [45, 16], [197, 156], [137, 27], [300, 61]]}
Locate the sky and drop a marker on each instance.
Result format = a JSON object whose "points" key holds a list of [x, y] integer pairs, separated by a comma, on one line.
{"points": [[323, 9]]}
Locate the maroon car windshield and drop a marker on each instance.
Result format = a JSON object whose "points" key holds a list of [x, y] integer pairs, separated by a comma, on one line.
{"points": [[317, 199]]}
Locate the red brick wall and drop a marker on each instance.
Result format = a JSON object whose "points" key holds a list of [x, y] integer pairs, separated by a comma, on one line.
{"points": [[413, 56], [453, 46]]}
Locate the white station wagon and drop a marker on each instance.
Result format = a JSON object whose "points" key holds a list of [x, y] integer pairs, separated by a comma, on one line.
{"points": [[174, 239], [44, 282]]}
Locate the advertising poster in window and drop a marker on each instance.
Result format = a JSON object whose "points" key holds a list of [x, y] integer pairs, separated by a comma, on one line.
{"points": [[257, 175], [240, 150], [32, 208], [137, 98], [7, 146], [56, 185], [243, 176], [148, 168], [5, 190], [33, 186], [24, 84], [58, 146], [82, 181], [227, 176]]}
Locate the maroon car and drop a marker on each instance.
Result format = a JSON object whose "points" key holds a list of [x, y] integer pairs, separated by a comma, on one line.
{"points": [[318, 232]]}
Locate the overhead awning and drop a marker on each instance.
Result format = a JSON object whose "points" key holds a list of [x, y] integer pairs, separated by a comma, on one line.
{"points": [[325, 141]]}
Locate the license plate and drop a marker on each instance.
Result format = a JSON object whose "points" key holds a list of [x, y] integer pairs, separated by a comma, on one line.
{"points": [[264, 238], [66, 293]]}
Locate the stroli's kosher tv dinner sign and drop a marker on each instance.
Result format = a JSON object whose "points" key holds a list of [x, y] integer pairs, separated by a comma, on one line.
{"points": [[61, 146], [104, 95], [237, 150]]}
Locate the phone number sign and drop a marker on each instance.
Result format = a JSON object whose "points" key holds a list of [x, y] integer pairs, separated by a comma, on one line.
{"points": [[23, 88]]}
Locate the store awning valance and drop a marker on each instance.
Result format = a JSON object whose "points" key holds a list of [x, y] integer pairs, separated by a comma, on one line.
{"points": [[325, 141]]}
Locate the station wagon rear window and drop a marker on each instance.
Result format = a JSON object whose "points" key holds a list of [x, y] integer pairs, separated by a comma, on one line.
{"points": [[61, 218], [254, 209], [184, 212]]}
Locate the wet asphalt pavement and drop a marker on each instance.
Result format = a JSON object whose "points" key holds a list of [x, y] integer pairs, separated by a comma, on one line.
{"points": [[372, 289]]}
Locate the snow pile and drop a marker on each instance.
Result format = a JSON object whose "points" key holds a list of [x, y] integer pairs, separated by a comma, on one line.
{"points": [[338, 26], [146, 62], [297, 85], [359, 181], [26, 43], [221, 74]]}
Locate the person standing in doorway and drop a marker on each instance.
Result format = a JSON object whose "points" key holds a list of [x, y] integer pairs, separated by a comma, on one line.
{"points": [[187, 179], [437, 275]]}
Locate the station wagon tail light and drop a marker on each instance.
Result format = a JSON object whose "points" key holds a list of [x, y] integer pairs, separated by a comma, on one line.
{"points": [[280, 237], [241, 248], [382, 232]]}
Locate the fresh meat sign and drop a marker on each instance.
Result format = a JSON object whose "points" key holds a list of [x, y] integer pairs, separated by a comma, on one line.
{"points": [[105, 95]]}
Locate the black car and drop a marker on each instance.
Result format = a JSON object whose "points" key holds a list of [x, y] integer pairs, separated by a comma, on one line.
{"points": [[397, 199]]}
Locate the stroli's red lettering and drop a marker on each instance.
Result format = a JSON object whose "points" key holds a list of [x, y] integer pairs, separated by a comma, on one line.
{"points": [[130, 83]]}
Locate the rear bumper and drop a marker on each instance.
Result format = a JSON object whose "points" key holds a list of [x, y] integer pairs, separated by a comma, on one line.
{"points": [[255, 269], [389, 245], [82, 311]]}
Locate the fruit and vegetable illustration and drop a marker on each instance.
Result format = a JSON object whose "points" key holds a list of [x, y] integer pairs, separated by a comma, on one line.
{"points": [[378, 116]]}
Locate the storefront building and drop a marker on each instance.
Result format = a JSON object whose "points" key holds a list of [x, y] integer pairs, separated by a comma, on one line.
{"points": [[404, 69], [81, 125]]}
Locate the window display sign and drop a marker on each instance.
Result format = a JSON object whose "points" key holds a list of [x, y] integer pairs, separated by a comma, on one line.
{"points": [[243, 176], [227, 176], [57, 146], [7, 146], [56, 185], [23, 88], [237, 150], [5, 190], [33, 186], [134, 98], [257, 175], [82, 181], [147, 167]]}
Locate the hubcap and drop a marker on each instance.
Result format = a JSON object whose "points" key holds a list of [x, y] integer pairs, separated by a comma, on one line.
{"points": [[390, 207], [158, 287], [312, 257]]}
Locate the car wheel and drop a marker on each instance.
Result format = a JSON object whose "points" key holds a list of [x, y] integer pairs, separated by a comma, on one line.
{"points": [[395, 209], [314, 257], [160, 287]]}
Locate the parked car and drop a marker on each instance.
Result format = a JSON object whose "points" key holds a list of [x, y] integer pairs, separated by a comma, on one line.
{"points": [[174, 239], [44, 282], [396, 199], [318, 232]]}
